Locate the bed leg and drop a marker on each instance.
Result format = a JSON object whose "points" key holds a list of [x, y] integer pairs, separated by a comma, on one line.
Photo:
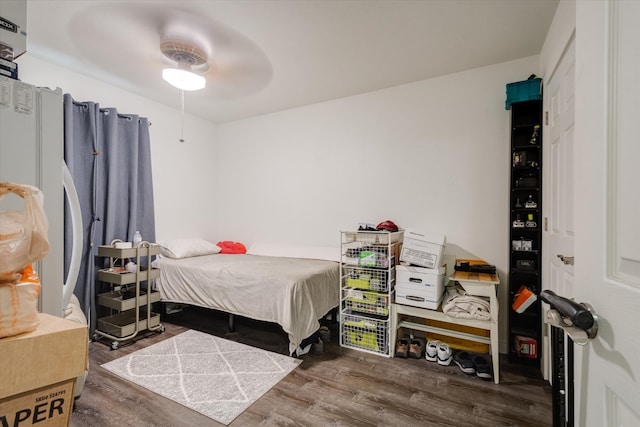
{"points": [[334, 316], [232, 327]]}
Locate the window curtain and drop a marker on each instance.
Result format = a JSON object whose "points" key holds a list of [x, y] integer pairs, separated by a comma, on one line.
{"points": [[109, 157]]}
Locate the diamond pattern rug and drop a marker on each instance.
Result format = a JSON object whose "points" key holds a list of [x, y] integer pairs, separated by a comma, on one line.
{"points": [[216, 377]]}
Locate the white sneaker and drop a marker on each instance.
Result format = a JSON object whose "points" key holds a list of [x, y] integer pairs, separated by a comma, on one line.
{"points": [[431, 351], [445, 356]]}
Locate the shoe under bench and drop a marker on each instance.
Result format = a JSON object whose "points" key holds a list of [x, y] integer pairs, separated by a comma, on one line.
{"points": [[478, 284]]}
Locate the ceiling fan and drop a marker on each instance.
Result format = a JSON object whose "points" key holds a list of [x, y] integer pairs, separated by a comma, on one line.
{"points": [[150, 37], [187, 57]]}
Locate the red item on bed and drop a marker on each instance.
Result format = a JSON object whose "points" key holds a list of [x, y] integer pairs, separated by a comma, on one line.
{"points": [[229, 247]]}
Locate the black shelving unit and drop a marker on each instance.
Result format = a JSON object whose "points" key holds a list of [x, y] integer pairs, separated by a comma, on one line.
{"points": [[525, 328]]}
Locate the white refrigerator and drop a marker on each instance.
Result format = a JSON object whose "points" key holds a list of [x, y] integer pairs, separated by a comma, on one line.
{"points": [[32, 152]]}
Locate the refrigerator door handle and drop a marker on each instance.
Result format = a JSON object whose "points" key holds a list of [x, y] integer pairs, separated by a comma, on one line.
{"points": [[76, 223]]}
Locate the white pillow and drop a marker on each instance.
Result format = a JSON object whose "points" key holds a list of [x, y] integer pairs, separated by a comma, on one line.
{"points": [[188, 247]]}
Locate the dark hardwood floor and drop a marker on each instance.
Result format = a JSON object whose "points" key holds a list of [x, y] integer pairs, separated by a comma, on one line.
{"points": [[341, 387]]}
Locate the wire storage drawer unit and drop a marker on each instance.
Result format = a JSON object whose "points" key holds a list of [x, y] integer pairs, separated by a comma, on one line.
{"points": [[367, 281]]}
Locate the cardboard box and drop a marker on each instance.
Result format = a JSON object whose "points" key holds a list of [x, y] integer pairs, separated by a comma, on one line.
{"points": [[526, 346], [430, 282], [417, 297], [422, 249], [419, 287], [47, 406], [13, 20], [55, 352]]}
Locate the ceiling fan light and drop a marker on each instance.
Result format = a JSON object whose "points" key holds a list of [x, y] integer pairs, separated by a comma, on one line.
{"points": [[183, 79]]}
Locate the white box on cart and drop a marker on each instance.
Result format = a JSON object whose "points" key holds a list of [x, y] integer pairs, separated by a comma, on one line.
{"points": [[422, 249]]}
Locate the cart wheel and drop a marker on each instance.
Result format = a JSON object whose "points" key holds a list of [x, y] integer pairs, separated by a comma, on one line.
{"points": [[114, 345], [162, 329], [95, 337]]}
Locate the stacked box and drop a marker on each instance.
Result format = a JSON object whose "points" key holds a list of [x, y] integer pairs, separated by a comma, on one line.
{"points": [[13, 28], [420, 277], [8, 69], [422, 249], [39, 370], [419, 287]]}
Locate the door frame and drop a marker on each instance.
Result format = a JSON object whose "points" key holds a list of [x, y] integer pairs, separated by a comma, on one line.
{"points": [[561, 34]]}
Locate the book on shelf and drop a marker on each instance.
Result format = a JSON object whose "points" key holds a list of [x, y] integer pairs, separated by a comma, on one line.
{"points": [[523, 299]]}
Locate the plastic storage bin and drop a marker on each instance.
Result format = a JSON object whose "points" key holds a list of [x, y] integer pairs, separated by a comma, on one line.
{"points": [[420, 287], [527, 90]]}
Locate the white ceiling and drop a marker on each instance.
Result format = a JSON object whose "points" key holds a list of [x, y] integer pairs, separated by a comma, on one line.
{"points": [[272, 55]]}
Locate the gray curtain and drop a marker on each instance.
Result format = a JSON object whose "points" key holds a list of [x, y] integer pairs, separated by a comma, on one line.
{"points": [[109, 157]]}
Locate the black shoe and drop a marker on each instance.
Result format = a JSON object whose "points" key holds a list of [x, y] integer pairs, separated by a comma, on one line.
{"points": [[483, 370], [464, 362]]}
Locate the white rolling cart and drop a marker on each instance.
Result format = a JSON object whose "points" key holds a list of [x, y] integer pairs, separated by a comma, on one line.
{"points": [[478, 284], [131, 313]]}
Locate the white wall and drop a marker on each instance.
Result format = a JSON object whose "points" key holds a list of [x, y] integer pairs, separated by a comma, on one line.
{"points": [[560, 32], [182, 173], [432, 155]]}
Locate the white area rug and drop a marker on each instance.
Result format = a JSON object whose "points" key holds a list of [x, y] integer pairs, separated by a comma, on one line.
{"points": [[216, 377]]}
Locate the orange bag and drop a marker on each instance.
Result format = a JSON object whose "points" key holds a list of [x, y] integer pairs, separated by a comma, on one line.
{"points": [[23, 235], [19, 304]]}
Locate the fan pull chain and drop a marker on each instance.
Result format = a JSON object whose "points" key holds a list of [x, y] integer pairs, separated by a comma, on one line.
{"points": [[182, 120]]}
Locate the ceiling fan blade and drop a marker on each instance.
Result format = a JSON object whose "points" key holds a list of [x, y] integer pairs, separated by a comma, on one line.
{"points": [[236, 66]]}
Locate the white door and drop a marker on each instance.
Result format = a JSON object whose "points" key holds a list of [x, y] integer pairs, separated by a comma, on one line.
{"points": [[607, 210], [558, 149]]}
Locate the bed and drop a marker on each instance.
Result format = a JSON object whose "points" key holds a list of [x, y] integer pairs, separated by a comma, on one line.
{"points": [[293, 288]]}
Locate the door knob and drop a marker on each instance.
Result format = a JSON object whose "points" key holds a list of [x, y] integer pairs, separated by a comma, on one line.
{"points": [[567, 260], [578, 320]]}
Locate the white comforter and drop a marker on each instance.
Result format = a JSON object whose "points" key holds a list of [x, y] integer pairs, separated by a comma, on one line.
{"points": [[292, 292]]}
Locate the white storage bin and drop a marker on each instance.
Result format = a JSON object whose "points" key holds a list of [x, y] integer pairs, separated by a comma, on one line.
{"points": [[422, 249], [420, 287], [417, 297]]}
